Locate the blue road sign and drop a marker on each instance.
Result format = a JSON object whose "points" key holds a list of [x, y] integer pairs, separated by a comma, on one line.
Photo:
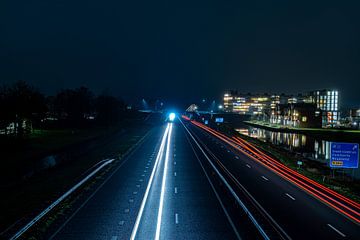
{"points": [[219, 120], [344, 155]]}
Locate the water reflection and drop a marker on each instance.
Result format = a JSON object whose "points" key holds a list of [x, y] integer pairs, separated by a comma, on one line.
{"points": [[309, 147]]}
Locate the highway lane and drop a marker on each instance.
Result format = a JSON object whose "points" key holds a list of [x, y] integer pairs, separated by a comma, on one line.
{"points": [[300, 215], [159, 192]]}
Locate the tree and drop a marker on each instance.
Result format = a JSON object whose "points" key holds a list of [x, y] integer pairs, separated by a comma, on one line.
{"points": [[108, 109], [21, 104], [74, 105]]}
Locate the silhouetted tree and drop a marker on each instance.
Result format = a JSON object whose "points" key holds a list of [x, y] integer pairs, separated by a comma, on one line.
{"points": [[21, 103], [108, 109], [74, 105]]}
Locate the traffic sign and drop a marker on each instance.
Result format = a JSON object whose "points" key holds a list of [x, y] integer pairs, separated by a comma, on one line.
{"points": [[344, 155]]}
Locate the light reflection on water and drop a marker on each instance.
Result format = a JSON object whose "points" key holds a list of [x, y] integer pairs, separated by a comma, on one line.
{"points": [[309, 147]]}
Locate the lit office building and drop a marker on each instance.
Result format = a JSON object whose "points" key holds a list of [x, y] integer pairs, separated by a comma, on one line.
{"points": [[327, 104]]}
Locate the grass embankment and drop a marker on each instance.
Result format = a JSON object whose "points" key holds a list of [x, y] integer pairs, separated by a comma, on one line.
{"points": [[78, 150], [311, 169], [278, 127]]}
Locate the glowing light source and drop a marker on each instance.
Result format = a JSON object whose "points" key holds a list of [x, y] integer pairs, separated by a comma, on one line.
{"points": [[172, 117]]}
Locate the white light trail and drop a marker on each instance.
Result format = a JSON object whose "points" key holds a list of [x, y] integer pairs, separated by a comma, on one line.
{"points": [[163, 186], [159, 156]]}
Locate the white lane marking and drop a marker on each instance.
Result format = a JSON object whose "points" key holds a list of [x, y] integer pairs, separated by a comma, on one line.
{"points": [[261, 230], [134, 193], [163, 186], [336, 230], [131, 200], [236, 157], [175, 174], [174, 163], [143, 202], [265, 178], [140, 180], [248, 165], [138, 185], [127, 210], [176, 190], [54, 204], [176, 218], [114, 238], [121, 223], [143, 175], [291, 197], [228, 151]]}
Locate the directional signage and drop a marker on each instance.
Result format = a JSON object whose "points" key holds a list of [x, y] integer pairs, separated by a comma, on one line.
{"points": [[344, 155], [219, 120]]}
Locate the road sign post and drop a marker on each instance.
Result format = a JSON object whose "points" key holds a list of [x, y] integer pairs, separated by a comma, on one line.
{"points": [[344, 155]]}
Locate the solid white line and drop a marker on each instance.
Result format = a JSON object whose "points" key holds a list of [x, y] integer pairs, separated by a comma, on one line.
{"points": [[252, 218], [142, 206], [292, 198], [265, 178], [336, 230], [163, 186], [54, 204], [216, 194], [248, 165], [176, 218]]}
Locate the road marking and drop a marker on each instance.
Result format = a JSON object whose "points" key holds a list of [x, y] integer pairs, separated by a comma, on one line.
{"points": [[121, 223], [127, 210], [261, 230], [176, 218], [175, 190], [163, 186], [114, 238], [140, 180], [143, 175], [228, 151], [143, 202], [59, 200], [134, 193], [291, 197], [248, 165], [175, 174], [138, 185], [131, 200], [146, 167], [236, 157], [174, 163], [336, 230], [265, 178]]}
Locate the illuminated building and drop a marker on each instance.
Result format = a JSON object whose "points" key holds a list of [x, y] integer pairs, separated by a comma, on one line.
{"points": [[327, 102]]}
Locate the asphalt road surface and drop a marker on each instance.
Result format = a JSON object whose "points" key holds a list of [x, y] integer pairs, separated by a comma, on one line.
{"points": [[159, 192], [183, 183]]}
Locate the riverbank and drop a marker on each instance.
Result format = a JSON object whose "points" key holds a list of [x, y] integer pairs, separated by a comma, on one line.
{"points": [[340, 134], [314, 170]]}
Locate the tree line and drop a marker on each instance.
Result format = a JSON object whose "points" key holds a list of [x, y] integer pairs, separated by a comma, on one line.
{"points": [[23, 107]]}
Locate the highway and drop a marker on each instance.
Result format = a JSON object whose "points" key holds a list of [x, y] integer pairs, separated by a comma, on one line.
{"points": [[185, 181], [159, 192]]}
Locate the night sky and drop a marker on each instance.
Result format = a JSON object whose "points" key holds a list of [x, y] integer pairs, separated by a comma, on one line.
{"points": [[182, 50]]}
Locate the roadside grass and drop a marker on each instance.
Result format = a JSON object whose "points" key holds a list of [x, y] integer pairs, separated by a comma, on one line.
{"points": [[311, 169], [278, 127], [27, 196]]}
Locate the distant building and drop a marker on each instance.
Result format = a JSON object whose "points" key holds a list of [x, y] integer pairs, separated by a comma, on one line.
{"points": [[248, 104], [323, 103], [296, 115], [327, 102]]}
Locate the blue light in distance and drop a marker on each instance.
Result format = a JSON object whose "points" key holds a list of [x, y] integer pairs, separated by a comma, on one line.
{"points": [[172, 117]]}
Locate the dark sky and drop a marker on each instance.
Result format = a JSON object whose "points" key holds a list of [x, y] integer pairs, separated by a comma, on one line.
{"points": [[182, 50]]}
